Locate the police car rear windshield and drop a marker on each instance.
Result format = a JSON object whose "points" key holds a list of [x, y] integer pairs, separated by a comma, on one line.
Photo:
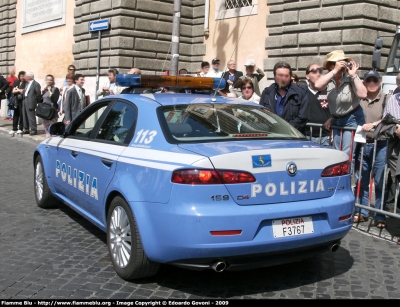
{"points": [[223, 122]]}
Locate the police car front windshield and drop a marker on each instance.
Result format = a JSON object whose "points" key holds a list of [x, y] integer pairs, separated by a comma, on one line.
{"points": [[219, 122]]}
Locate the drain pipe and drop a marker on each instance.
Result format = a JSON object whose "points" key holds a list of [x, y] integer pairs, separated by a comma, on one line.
{"points": [[206, 18]]}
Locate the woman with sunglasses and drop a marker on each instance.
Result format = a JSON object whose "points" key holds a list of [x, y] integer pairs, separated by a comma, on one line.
{"points": [[344, 91], [248, 93]]}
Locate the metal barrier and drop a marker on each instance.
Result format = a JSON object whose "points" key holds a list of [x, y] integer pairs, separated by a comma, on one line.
{"points": [[357, 188]]}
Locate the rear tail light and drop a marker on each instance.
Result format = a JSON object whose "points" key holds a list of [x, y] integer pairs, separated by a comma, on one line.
{"points": [[226, 232], [345, 217], [339, 169], [205, 176]]}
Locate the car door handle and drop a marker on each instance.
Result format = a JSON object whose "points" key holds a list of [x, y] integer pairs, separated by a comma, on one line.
{"points": [[107, 162], [74, 153]]}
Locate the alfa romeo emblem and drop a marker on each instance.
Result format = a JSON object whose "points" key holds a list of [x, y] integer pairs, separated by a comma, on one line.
{"points": [[291, 168]]}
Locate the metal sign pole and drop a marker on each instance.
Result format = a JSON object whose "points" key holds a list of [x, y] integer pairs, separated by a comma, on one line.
{"points": [[98, 65], [98, 26]]}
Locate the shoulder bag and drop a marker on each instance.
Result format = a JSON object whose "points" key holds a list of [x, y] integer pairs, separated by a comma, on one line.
{"points": [[45, 110]]}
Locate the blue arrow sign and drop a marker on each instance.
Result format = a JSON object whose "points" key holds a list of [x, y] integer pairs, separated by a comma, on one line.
{"points": [[99, 25]]}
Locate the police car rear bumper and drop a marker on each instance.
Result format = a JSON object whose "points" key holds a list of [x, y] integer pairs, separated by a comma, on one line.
{"points": [[253, 261], [172, 232]]}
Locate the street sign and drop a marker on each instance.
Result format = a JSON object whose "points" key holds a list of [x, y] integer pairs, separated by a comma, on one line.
{"points": [[99, 25]]}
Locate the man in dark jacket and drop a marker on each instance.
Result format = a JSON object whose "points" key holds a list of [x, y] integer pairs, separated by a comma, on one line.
{"points": [[3, 88], [286, 99], [31, 98], [75, 99], [231, 74]]}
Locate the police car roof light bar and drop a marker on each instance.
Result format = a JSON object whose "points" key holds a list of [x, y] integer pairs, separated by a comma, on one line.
{"points": [[150, 81]]}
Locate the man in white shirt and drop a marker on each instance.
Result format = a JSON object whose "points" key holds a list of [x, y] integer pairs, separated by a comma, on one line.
{"points": [[214, 72], [110, 87]]}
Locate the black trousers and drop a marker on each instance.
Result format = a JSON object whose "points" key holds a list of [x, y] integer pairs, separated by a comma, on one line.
{"points": [[29, 118], [17, 119]]}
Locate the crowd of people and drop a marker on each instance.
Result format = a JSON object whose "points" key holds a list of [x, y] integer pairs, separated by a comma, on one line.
{"points": [[338, 98]]}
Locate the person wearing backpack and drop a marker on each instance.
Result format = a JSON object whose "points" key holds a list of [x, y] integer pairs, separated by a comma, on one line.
{"points": [[373, 106]]}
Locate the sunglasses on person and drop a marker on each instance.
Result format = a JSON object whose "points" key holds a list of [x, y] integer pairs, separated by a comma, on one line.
{"points": [[71, 69], [247, 88], [315, 70]]}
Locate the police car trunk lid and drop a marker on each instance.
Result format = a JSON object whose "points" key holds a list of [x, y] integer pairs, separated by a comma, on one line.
{"points": [[285, 171]]}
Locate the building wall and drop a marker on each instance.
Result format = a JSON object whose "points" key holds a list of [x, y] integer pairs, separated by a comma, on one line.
{"points": [[237, 38], [47, 51], [140, 36], [7, 34], [303, 32]]}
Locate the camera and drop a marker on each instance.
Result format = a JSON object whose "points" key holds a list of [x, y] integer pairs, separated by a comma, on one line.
{"points": [[349, 65]]}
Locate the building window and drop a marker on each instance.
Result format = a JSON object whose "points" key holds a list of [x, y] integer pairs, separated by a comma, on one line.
{"points": [[234, 4], [235, 8]]}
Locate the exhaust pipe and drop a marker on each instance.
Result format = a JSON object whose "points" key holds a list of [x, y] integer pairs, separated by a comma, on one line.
{"points": [[219, 266], [334, 247]]}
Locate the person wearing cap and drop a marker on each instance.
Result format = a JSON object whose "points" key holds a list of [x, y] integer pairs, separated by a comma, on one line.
{"points": [[344, 89], [373, 106], [254, 76], [319, 109], [286, 99], [214, 72]]}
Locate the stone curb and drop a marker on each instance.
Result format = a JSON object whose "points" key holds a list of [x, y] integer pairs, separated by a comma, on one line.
{"points": [[5, 128]]}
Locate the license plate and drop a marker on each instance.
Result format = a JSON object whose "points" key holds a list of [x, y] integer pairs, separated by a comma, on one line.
{"points": [[292, 227]]}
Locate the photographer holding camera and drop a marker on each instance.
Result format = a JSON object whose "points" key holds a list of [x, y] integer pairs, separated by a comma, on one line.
{"points": [[344, 91]]}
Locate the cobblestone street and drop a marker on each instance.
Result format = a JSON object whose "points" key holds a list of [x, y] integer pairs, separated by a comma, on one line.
{"points": [[58, 254]]}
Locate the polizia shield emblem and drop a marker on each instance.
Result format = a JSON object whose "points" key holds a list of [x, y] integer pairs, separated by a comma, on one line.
{"points": [[291, 168]]}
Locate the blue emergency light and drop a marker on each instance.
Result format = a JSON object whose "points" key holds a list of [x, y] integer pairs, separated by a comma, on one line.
{"points": [[184, 82]]}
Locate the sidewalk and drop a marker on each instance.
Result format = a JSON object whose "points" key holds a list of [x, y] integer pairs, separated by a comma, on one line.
{"points": [[6, 127]]}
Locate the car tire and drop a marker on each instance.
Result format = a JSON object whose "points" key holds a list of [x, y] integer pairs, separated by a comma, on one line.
{"points": [[128, 258], [43, 195]]}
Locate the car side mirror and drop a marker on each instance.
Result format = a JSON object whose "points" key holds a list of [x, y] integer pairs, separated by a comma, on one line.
{"points": [[57, 129]]}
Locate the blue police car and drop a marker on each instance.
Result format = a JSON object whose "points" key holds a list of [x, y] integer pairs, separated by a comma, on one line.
{"points": [[195, 181]]}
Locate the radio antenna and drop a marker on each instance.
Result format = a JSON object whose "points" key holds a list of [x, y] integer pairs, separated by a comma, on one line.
{"points": [[240, 36], [169, 49]]}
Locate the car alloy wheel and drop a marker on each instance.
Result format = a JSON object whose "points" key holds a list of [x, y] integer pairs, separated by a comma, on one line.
{"points": [[120, 237], [39, 181], [43, 195]]}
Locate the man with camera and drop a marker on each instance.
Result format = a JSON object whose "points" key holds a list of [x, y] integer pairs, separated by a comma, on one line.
{"points": [[344, 91]]}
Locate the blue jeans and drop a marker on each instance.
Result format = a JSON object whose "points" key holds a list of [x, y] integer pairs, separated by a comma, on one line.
{"points": [[10, 113], [379, 173], [352, 120], [323, 141]]}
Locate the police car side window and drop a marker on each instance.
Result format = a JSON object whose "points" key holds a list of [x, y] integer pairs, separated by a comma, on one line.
{"points": [[117, 126], [86, 125]]}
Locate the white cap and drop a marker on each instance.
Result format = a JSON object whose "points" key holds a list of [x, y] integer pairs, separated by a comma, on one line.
{"points": [[249, 63]]}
